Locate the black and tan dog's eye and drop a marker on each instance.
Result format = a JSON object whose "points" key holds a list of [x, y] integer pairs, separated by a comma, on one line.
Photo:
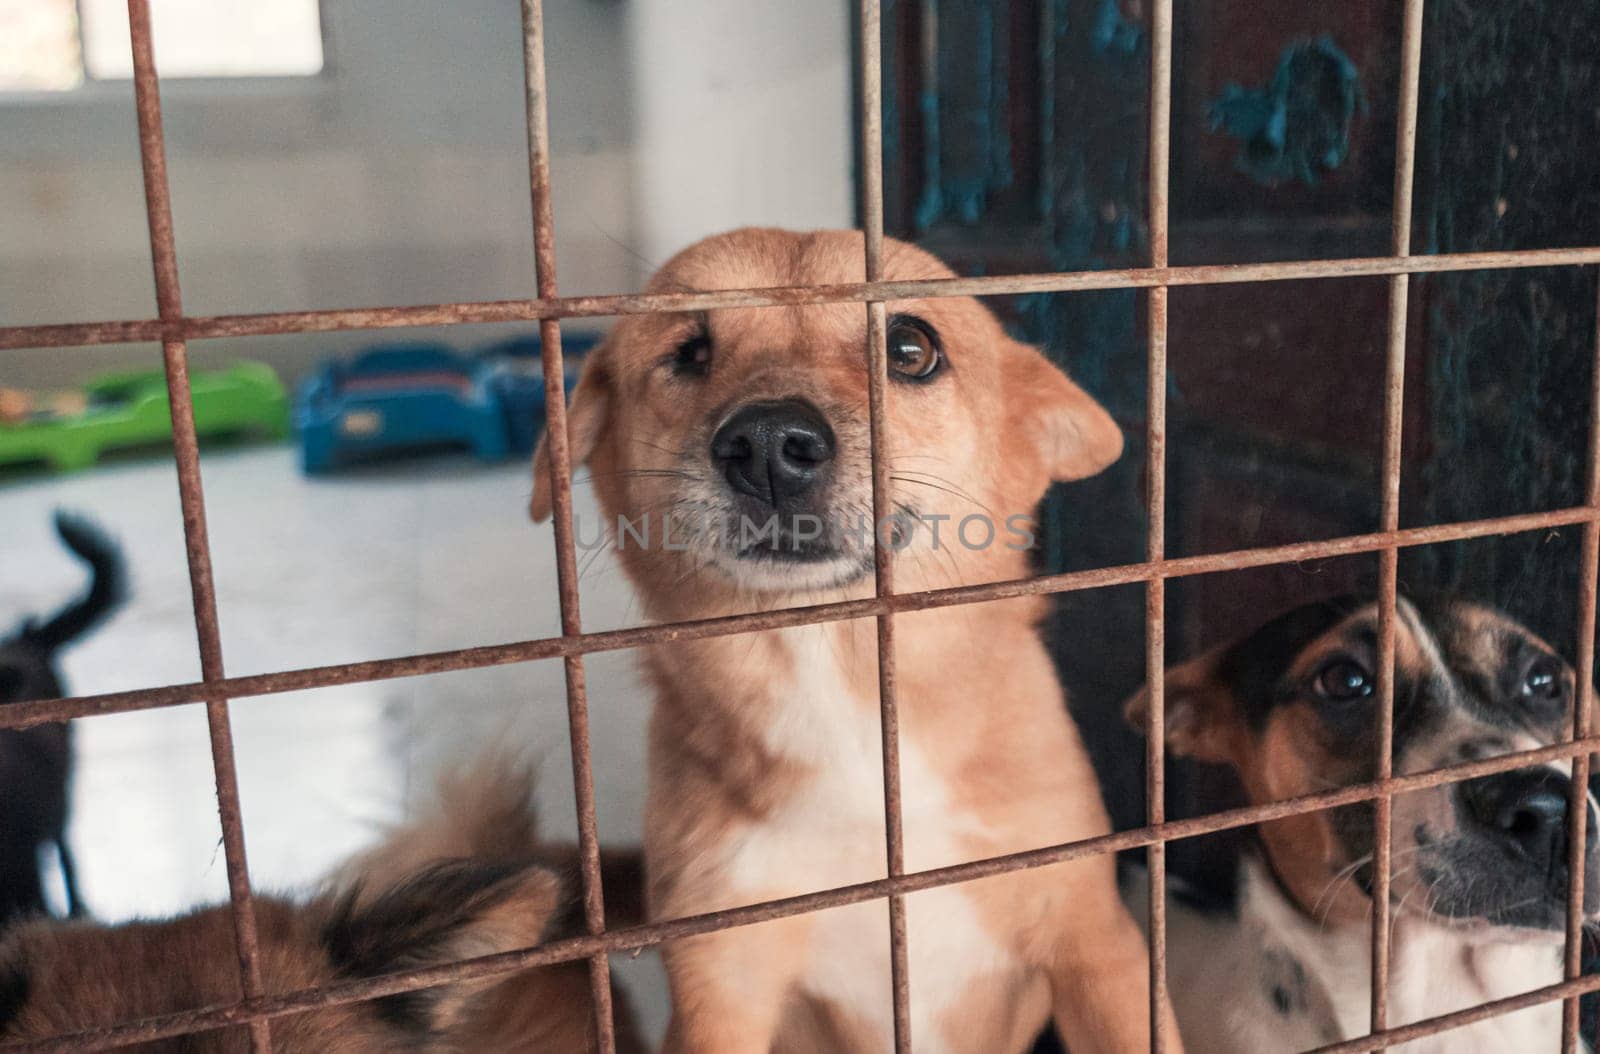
{"points": [[914, 351], [1343, 680], [1543, 680], [693, 357]]}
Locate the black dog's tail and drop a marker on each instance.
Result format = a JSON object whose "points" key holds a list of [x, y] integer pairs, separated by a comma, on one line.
{"points": [[107, 585]]}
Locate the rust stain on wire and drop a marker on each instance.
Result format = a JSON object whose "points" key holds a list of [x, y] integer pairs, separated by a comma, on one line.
{"points": [[1578, 800], [631, 938], [1155, 662], [871, 177], [1389, 558], [538, 118], [191, 495], [26, 715], [279, 322]]}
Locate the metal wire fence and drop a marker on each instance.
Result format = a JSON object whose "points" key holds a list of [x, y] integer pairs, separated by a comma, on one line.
{"points": [[257, 1008]]}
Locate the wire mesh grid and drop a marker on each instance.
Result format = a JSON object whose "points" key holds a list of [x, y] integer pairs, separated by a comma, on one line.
{"points": [[256, 1009]]}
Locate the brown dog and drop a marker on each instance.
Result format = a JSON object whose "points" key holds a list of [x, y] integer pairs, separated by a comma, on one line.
{"points": [[1280, 961], [469, 880], [733, 446]]}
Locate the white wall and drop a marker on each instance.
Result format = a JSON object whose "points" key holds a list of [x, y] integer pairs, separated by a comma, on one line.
{"points": [[742, 116], [399, 176]]}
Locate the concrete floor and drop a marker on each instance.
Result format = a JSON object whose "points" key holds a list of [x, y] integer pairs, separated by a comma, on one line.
{"points": [[385, 561]]}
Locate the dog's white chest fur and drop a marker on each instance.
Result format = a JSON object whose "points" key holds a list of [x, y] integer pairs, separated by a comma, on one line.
{"points": [[831, 833], [1271, 979]]}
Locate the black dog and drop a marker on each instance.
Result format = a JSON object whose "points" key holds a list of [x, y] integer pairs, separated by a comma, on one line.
{"points": [[36, 763]]}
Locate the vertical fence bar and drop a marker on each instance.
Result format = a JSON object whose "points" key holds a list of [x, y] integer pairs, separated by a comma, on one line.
{"points": [[1389, 559], [871, 74], [191, 497], [1578, 802], [1155, 661], [538, 115]]}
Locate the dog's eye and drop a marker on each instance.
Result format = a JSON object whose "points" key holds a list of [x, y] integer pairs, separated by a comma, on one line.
{"points": [[1343, 680], [1543, 680], [914, 351], [693, 356]]}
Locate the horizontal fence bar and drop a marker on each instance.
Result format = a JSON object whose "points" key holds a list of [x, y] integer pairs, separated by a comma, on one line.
{"points": [[283, 322], [638, 937], [1433, 1026], [27, 715]]}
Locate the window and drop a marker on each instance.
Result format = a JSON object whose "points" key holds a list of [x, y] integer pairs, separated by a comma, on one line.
{"points": [[57, 45]]}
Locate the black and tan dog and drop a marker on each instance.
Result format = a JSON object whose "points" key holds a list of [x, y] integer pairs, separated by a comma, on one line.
{"points": [[36, 763], [1479, 868]]}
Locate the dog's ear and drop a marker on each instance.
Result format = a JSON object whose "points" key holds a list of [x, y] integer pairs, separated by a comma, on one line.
{"points": [[1075, 434], [587, 414], [1202, 715], [454, 910]]}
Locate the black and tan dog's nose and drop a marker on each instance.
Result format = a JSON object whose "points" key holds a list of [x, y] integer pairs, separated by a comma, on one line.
{"points": [[773, 451], [1528, 810]]}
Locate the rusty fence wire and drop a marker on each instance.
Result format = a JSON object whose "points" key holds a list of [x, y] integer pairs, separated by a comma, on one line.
{"points": [[173, 329]]}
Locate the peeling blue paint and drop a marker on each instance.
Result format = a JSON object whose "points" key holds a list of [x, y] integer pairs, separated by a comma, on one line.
{"points": [[1094, 72], [931, 207], [1112, 33], [999, 106], [1297, 127]]}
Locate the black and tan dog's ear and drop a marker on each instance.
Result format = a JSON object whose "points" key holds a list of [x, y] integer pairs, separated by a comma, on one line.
{"points": [[1202, 715], [587, 413], [1078, 438], [454, 910]]}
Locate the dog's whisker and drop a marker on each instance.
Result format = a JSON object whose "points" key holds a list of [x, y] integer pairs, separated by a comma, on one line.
{"points": [[635, 473], [657, 446], [937, 483]]}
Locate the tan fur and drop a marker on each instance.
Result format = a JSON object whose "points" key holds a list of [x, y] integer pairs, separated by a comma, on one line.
{"points": [[763, 757], [84, 975]]}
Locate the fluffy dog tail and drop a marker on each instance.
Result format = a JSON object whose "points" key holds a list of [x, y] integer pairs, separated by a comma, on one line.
{"points": [[107, 584], [484, 811], [483, 816]]}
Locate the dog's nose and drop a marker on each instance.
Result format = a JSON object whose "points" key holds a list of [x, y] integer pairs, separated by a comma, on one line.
{"points": [[773, 450], [1528, 810]]}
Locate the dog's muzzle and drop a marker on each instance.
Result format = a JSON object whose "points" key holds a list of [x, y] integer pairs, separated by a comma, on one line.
{"points": [[1526, 812]]}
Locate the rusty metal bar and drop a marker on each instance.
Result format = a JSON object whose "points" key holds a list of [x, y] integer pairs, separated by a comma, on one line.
{"points": [[1578, 802], [555, 401], [191, 496], [76, 334], [27, 715], [870, 73], [215, 689], [1155, 662], [636, 937], [1389, 520], [1433, 1026]]}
